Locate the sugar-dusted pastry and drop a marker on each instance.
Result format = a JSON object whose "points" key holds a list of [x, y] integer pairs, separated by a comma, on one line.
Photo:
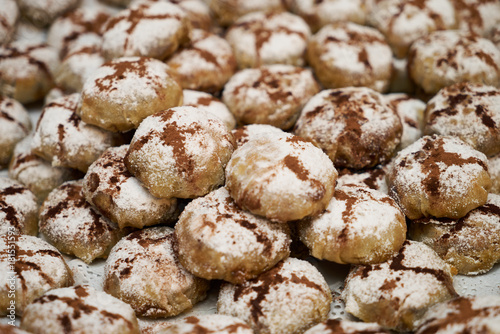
{"points": [[494, 169], [180, 152], [470, 243], [289, 298], [354, 126], [18, 208], [281, 177], [244, 134], [272, 94], [205, 64], [79, 309], [227, 12], [42, 12], [39, 268], [479, 17], [347, 54], [397, 292], [119, 196], [443, 58], [208, 323], [9, 13], [468, 111], [143, 271], [373, 178], [439, 176], [121, 93], [15, 124], [336, 326], [211, 104]]}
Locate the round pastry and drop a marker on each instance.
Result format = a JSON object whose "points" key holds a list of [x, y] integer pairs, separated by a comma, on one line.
{"points": [[205, 64], [74, 226], [35, 173], [373, 178], [289, 298], [411, 113], [479, 17], [15, 124], [121, 93], [26, 71], [211, 104], [218, 240], [10, 329], [210, 323], [54, 94], [18, 208], [143, 271], [354, 126], [148, 29], [494, 169], [79, 309], [359, 226], [281, 177], [180, 152], [38, 265], [320, 13], [273, 38], [119, 196], [443, 58], [336, 326], [227, 12], [9, 13], [42, 12], [272, 94], [402, 22], [439, 176], [62, 138], [348, 54], [396, 293], [470, 243], [463, 315], [244, 134], [468, 111]]}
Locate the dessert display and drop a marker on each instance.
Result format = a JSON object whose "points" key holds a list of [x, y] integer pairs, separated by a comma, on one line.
{"points": [[19, 208]]}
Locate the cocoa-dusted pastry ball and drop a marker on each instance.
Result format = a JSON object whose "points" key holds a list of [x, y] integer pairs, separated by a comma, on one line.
{"points": [[244, 134], [475, 314], [227, 12], [39, 268], [26, 70], [281, 177], [336, 326], [494, 169], [148, 29], [18, 208], [180, 152], [9, 13], [218, 240], [470, 243], [439, 176], [15, 124], [79, 309], [354, 126], [42, 12], [272, 94], [289, 298], [320, 13], [479, 17], [208, 323], [273, 38], [359, 226], [211, 104], [468, 111], [443, 58], [143, 271], [64, 139], [205, 64], [119, 196], [396, 293], [121, 93], [373, 178], [402, 22], [347, 54]]}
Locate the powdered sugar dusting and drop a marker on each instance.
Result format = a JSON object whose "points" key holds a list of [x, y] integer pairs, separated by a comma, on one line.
{"points": [[211, 104], [215, 323], [15, 122], [249, 132], [335, 326], [18, 208], [373, 178]]}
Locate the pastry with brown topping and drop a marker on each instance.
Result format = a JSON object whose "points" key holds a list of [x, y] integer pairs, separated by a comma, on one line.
{"points": [[143, 271], [120, 197], [439, 176], [218, 240], [373, 178], [348, 54], [281, 177], [354, 126], [244, 134], [478, 17], [208, 323], [205, 64], [121, 93], [359, 226], [180, 152], [397, 292], [79, 309], [42, 12], [336, 326], [468, 111], [227, 12], [272, 94], [15, 124], [18, 208], [288, 299], [9, 13], [39, 268], [211, 104]]}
